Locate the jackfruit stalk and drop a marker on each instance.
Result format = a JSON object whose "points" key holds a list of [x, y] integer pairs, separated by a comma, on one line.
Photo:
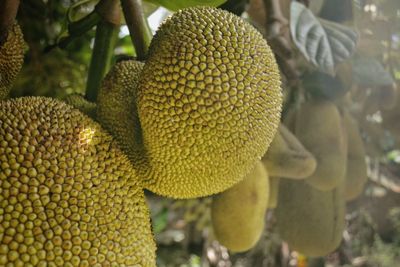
{"points": [[69, 196], [237, 214]]}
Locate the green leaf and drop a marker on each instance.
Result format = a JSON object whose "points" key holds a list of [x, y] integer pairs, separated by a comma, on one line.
{"points": [[368, 71], [175, 5], [160, 221], [323, 43]]}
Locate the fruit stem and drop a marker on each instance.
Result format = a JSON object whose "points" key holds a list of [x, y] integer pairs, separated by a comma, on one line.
{"points": [[8, 12], [103, 49], [84, 24], [138, 27]]}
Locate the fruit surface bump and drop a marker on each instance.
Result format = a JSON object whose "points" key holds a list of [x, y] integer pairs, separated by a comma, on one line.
{"points": [[209, 102], [69, 196], [11, 59]]}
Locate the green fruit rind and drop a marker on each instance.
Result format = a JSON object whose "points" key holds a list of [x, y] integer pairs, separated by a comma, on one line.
{"points": [[237, 214], [79, 102], [209, 102], [356, 171], [320, 129], [70, 196], [11, 59], [309, 220], [286, 156]]}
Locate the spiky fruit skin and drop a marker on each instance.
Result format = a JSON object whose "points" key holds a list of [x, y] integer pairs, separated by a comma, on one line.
{"points": [[356, 171], [11, 59], [69, 197], [237, 214], [117, 111], [320, 129], [78, 101], [309, 220], [286, 157], [209, 102]]}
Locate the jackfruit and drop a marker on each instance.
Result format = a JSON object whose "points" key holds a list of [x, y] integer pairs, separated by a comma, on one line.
{"points": [[69, 196], [319, 128], [356, 171], [237, 214], [209, 102], [309, 220], [117, 111], [78, 101], [287, 157], [11, 59], [273, 192]]}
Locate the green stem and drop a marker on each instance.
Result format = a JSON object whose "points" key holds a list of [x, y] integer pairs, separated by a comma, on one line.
{"points": [[104, 44], [138, 27], [83, 25]]}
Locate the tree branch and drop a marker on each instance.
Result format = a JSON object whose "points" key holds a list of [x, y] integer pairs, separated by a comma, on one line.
{"points": [[138, 27], [103, 49], [8, 12]]}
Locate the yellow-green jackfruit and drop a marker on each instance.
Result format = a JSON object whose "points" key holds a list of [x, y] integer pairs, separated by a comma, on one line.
{"points": [[78, 101], [11, 59], [309, 220], [117, 111], [237, 214], [209, 102], [320, 129], [356, 171], [69, 196], [287, 157], [273, 192]]}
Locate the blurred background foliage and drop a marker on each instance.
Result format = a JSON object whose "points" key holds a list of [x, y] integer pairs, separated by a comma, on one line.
{"points": [[372, 236]]}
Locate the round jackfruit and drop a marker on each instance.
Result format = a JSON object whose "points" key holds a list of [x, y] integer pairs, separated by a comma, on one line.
{"points": [[209, 102], [356, 171], [287, 157], [319, 128], [309, 220], [117, 111], [11, 59], [237, 214], [69, 196], [78, 101]]}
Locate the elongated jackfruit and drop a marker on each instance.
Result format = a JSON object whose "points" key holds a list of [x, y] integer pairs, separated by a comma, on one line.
{"points": [[287, 157], [78, 101], [356, 171], [309, 220], [69, 196], [117, 111], [237, 214], [209, 102], [319, 128], [11, 59]]}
